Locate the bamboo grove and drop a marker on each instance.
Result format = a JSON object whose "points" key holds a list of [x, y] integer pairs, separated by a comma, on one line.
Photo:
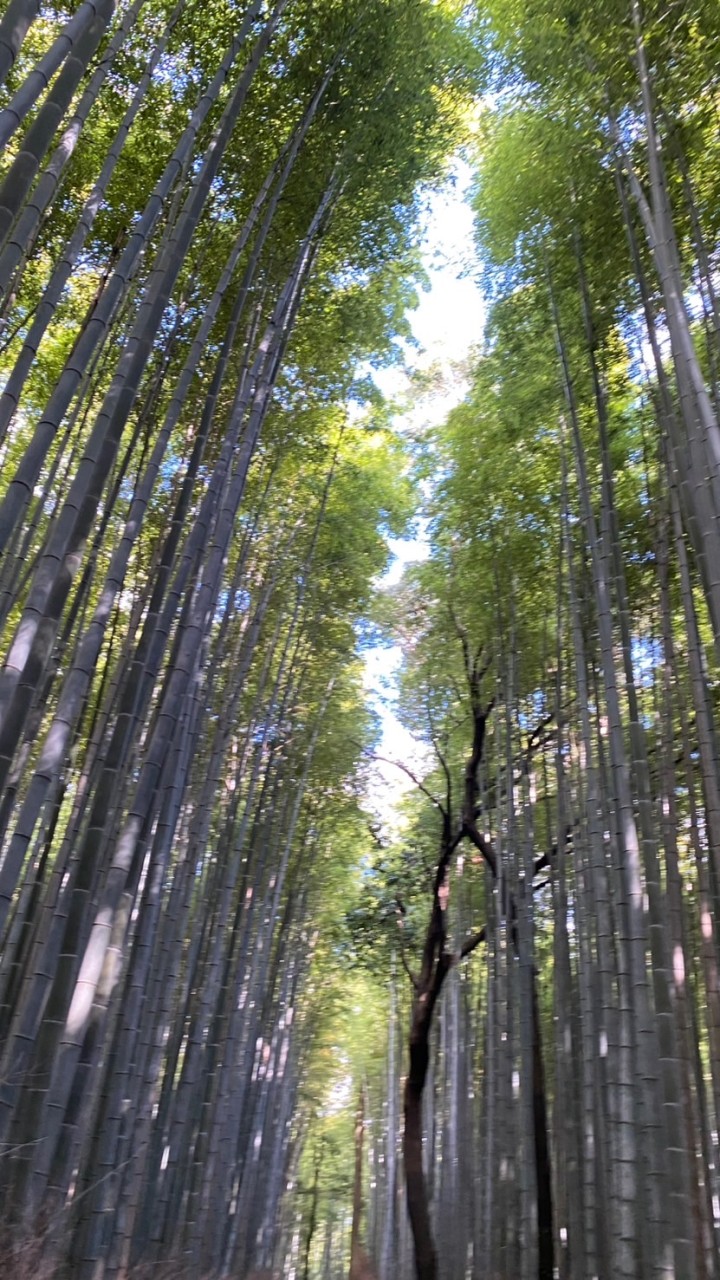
{"points": [[548, 917], [207, 220], [209, 948]]}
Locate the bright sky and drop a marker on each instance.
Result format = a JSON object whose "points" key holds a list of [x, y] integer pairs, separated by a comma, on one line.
{"points": [[447, 324]]}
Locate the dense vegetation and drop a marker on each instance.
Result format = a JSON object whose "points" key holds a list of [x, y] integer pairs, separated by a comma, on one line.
{"points": [[246, 1028]]}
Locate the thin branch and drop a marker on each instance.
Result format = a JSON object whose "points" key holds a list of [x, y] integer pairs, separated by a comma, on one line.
{"points": [[470, 944], [374, 830], [533, 739], [481, 670], [400, 912], [462, 636], [457, 690], [441, 760], [546, 859], [444, 766], [372, 755], [470, 829]]}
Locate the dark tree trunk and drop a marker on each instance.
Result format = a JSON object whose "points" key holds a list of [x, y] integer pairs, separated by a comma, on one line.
{"points": [[417, 1196]]}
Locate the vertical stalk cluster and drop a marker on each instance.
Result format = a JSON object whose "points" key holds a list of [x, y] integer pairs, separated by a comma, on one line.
{"points": [[574, 518], [190, 521]]}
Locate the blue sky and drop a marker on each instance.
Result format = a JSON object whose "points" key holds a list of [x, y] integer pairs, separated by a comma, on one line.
{"points": [[447, 324]]}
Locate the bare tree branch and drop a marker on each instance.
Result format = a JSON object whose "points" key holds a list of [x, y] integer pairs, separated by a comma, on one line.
{"points": [[462, 636], [397, 764], [400, 912], [470, 944]]}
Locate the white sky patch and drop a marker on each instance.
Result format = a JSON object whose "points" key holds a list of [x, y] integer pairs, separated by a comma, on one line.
{"points": [[449, 319], [451, 314], [387, 783], [405, 551], [448, 324]]}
